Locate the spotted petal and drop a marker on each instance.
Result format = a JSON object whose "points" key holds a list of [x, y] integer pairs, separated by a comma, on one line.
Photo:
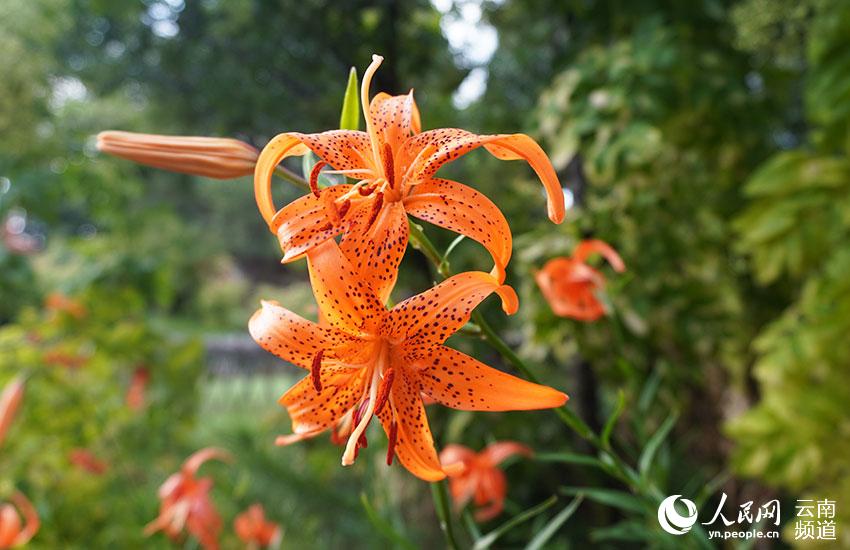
{"points": [[456, 380], [450, 143], [464, 210]]}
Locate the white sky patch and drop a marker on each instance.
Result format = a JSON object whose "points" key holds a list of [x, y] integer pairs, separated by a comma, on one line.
{"points": [[473, 42], [65, 89]]}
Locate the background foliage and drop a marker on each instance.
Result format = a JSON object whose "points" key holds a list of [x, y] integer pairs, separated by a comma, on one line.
{"points": [[707, 141]]}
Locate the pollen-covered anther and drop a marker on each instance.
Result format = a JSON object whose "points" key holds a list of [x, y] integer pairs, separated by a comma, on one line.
{"points": [[344, 207], [389, 169], [376, 209], [392, 437], [384, 390], [314, 177], [366, 190], [316, 371]]}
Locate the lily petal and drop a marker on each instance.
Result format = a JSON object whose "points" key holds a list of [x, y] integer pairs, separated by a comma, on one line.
{"points": [[498, 452], [376, 250], [305, 223], [312, 411], [291, 337], [428, 319], [346, 301], [452, 143], [415, 444], [464, 210], [595, 246], [342, 149], [10, 525], [458, 381], [394, 118]]}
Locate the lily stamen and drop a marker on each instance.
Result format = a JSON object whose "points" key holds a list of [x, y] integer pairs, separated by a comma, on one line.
{"points": [[376, 209], [426, 152], [315, 371], [384, 390], [389, 169], [392, 436], [314, 177], [360, 425]]}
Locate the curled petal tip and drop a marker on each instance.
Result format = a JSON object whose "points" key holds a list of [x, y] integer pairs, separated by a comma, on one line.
{"points": [[510, 301]]}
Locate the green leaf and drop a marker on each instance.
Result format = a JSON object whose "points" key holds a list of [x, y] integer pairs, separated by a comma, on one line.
{"points": [[609, 497], [648, 454], [570, 458], [383, 526], [554, 524], [487, 540], [349, 119], [625, 531], [612, 420]]}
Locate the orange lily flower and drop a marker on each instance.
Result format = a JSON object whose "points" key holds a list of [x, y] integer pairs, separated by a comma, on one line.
{"points": [[185, 502], [10, 401], [12, 533], [395, 163], [87, 461], [480, 477], [364, 360], [220, 158], [570, 285], [135, 398], [252, 527]]}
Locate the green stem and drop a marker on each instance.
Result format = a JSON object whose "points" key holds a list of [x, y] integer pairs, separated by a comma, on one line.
{"points": [[293, 178], [441, 504]]}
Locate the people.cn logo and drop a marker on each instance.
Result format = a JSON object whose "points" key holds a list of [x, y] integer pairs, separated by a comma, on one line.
{"points": [[673, 522]]}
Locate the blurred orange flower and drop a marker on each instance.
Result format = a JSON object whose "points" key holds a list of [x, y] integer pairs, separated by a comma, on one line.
{"points": [[12, 533], [185, 502], [86, 460], [570, 285], [10, 400], [365, 360], [395, 163], [221, 158], [251, 526], [136, 392], [480, 477], [60, 303]]}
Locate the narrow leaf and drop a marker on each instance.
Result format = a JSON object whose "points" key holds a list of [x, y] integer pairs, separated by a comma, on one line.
{"points": [[487, 540], [612, 420], [570, 458], [654, 443], [383, 526], [349, 119], [609, 497], [554, 524]]}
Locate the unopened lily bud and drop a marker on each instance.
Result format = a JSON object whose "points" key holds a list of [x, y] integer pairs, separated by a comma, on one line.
{"points": [[220, 158]]}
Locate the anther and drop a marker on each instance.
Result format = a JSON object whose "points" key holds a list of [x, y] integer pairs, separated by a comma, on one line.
{"points": [[389, 169], [376, 209], [316, 371], [384, 390], [393, 437], [343, 208], [314, 177]]}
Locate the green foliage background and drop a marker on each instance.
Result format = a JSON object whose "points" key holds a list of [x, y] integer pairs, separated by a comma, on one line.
{"points": [[706, 141]]}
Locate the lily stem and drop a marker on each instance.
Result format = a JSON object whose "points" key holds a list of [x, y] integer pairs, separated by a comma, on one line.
{"points": [[441, 504], [293, 178]]}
